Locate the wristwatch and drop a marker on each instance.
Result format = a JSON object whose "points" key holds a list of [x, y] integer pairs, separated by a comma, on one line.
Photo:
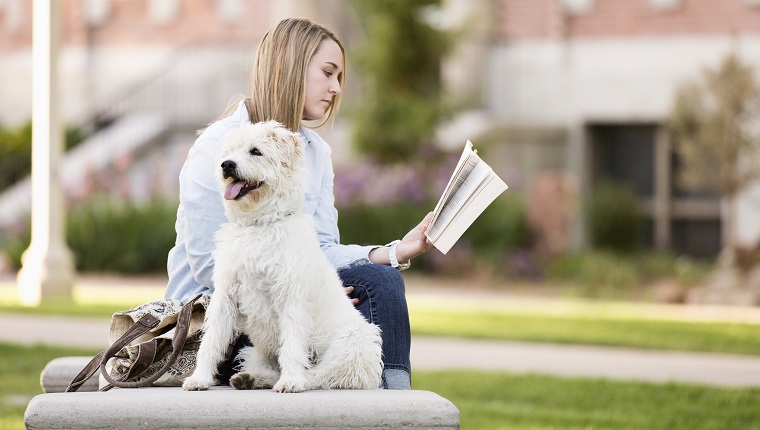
{"points": [[392, 256]]}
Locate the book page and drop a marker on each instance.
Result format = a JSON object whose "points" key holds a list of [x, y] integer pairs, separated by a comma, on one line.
{"points": [[485, 194], [468, 184], [462, 170], [471, 189]]}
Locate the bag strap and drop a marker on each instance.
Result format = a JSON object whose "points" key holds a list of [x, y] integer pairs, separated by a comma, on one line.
{"points": [[178, 341], [146, 354], [145, 323], [140, 327]]}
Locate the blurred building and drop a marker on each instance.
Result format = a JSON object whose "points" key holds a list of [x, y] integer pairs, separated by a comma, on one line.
{"points": [[563, 92], [603, 74], [142, 76]]}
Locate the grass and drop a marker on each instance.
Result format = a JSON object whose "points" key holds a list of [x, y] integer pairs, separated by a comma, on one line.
{"points": [[489, 400], [87, 300], [20, 368], [516, 402], [590, 329]]}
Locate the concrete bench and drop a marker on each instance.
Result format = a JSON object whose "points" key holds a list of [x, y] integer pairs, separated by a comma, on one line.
{"points": [[59, 372], [225, 407]]}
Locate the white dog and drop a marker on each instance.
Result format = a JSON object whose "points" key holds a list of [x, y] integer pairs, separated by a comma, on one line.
{"points": [[273, 282]]}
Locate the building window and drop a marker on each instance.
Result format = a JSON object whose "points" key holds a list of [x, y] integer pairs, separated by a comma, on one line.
{"points": [[578, 7], [665, 5], [624, 153], [13, 14], [697, 238], [163, 11], [229, 10], [96, 11]]}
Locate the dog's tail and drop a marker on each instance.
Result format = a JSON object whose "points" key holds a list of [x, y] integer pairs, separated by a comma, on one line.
{"points": [[353, 360]]}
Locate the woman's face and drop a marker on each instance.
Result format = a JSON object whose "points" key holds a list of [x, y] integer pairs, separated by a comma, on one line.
{"points": [[322, 79]]}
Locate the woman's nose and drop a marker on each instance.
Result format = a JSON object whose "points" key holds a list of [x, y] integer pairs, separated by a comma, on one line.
{"points": [[335, 88]]}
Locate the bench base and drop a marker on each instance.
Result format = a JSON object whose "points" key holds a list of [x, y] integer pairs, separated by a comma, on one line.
{"points": [[225, 407]]}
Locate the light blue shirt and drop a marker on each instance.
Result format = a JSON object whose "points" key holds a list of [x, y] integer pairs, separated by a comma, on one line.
{"points": [[190, 262]]}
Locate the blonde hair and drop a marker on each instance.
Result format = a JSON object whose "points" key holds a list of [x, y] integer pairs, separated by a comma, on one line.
{"points": [[278, 76]]}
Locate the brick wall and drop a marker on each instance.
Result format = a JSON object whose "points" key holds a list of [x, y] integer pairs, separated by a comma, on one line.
{"points": [[140, 22], [554, 19], [530, 19]]}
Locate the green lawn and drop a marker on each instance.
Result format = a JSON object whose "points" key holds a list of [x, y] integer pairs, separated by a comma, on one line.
{"points": [[592, 328], [20, 369], [522, 402]]}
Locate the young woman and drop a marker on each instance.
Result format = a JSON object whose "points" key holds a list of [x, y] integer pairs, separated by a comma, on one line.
{"points": [[298, 75]]}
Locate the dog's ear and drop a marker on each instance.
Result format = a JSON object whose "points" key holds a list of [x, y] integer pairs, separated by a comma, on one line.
{"points": [[293, 148]]}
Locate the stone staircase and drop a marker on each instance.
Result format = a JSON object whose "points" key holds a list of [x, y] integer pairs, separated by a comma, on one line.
{"points": [[130, 136]]}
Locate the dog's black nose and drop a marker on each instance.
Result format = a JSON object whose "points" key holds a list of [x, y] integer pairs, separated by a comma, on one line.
{"points": [[228, 167]]}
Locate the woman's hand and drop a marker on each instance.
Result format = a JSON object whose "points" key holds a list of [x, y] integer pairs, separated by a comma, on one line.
{"points": [[350, 290], [415, 242]]}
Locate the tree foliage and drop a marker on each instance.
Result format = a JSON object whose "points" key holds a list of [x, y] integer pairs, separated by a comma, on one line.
{"points": [[715, 127], [400, 61]]}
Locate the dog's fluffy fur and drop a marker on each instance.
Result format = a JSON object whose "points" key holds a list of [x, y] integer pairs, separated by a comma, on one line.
{"points": [[273, 282]]}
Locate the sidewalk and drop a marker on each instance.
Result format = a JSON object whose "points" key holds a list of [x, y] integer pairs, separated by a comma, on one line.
{"points": [[431, 353]]}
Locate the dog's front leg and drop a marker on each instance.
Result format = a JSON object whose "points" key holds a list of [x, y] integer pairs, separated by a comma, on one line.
{"points": [[293, 355], [219, 326]]}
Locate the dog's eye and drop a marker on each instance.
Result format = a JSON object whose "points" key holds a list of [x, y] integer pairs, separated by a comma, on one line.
{"points": [[256, 152]]}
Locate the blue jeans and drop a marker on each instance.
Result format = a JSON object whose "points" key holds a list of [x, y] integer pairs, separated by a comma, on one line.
{"points": [[382, 301]]}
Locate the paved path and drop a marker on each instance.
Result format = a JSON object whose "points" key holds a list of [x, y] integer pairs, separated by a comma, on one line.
{"points": [[430, 353]]}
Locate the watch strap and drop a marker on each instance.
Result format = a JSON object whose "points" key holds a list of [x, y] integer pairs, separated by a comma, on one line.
{"points": [[393, 259]]}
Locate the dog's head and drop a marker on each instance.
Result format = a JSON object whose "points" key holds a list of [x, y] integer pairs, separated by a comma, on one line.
{"points": [[259, 173]]}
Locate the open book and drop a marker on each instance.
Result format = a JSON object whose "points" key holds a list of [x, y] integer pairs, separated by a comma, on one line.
{"points": [[472, 187]]}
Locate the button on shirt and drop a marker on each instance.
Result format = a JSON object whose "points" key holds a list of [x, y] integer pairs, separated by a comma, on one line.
{"points": [[200, 213]]}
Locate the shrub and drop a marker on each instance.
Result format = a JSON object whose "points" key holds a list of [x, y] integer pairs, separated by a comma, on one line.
{"points": [[109, 236], [615, 221], [596, 272], [610, 274], [15, 243], [502, 227], [15, 154], [16, 151], [367, 224]]}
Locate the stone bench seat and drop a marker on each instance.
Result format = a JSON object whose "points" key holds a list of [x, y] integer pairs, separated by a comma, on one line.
{"points": [[225, 407], [59, 372]]}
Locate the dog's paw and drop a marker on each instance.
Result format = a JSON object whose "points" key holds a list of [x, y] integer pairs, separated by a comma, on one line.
{"points": [[192, 384], [290, 386], [242, 381], [249, 381]]}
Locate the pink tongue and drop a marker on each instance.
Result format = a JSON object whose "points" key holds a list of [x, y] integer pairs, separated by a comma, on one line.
{"points": [[233, 189]]}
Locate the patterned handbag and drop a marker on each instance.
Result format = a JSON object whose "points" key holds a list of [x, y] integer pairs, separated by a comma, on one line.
{"points": [[154, 344]]}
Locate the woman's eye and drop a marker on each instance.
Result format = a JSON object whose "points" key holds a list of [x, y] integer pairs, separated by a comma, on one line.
{"points": [[328, 73], [256, 152]]}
